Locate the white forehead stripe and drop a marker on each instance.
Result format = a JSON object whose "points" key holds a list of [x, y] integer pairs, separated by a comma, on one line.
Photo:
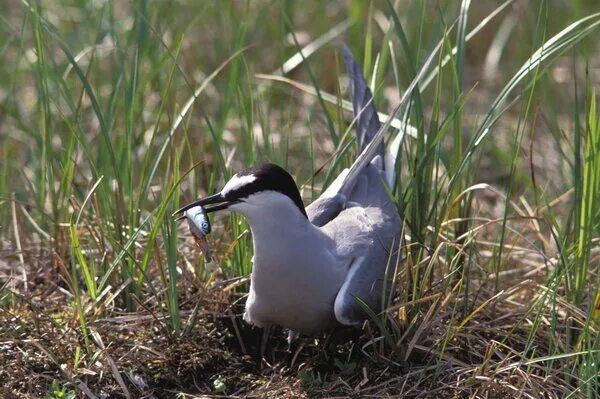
{"points": [[237, 182]]}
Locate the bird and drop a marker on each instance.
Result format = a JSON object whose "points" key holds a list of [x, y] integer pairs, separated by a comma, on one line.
{"points": [[319, 266]]}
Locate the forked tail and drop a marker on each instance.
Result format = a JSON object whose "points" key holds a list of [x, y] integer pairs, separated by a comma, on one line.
{"points": [[369, 131], [367, 121]]}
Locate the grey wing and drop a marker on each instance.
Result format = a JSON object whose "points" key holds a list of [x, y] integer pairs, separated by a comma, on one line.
{"points": [[373, 254], [368, 190], [357, 213], [325, 209], [367, 236]]}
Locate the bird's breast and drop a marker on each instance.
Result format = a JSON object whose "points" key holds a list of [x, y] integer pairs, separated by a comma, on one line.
{"points": [[294, 283]]}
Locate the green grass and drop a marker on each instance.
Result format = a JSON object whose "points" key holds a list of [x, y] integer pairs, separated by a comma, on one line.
{"points": [[112, 114]]}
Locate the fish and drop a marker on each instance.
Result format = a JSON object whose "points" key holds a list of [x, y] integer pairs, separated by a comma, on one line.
{"points": [[198, 221], [200, 227]]}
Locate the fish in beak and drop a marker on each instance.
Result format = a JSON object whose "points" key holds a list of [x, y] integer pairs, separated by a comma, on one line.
{"points": [[198, 222], [217, 200]]}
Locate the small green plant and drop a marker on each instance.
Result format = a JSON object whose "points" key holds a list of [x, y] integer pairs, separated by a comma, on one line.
{"points": [[345, 368], [310, 378], [60, 392], [220, 385]]}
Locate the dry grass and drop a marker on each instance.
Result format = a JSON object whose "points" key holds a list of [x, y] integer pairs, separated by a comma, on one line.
{"points": [[443, 352]]}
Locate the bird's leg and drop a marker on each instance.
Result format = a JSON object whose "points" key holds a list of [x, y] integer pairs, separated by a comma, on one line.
{"points": [[294, 355], [291, 339], [328, 342], [263, 342], [355, 336]]}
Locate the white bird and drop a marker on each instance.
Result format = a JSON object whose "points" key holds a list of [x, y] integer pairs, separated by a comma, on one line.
{"points": [[314, 266]]}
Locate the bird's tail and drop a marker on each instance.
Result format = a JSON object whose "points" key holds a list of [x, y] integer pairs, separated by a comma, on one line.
{"points": [[370, 139], [367, 120]]}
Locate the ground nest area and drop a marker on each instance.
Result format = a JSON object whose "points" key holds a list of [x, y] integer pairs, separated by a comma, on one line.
{"points": [[44, 350]]}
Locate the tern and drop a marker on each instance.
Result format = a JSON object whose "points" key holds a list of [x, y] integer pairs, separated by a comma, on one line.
{"points": [[319, 266]]}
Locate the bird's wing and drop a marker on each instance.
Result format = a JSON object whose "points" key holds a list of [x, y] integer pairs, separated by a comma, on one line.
{"points": [[357, 213], [329, 204], [366, 238], [366, 235], [325, 209]]}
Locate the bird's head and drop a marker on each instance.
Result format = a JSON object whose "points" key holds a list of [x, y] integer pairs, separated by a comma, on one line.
{"points": [[254, 192]]}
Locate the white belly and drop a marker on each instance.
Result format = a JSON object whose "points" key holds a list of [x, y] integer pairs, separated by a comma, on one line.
{"points": [[296, 273], [299, 297]]}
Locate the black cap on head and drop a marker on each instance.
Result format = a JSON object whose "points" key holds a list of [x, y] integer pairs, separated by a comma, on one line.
{"points": [[267, 176]]}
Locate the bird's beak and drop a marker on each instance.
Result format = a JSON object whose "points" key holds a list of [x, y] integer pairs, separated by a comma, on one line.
{"points": [[216, 199]]}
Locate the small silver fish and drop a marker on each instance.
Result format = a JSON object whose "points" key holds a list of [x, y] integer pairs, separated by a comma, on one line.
{"points": [[200, 227], [198, 221]]}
